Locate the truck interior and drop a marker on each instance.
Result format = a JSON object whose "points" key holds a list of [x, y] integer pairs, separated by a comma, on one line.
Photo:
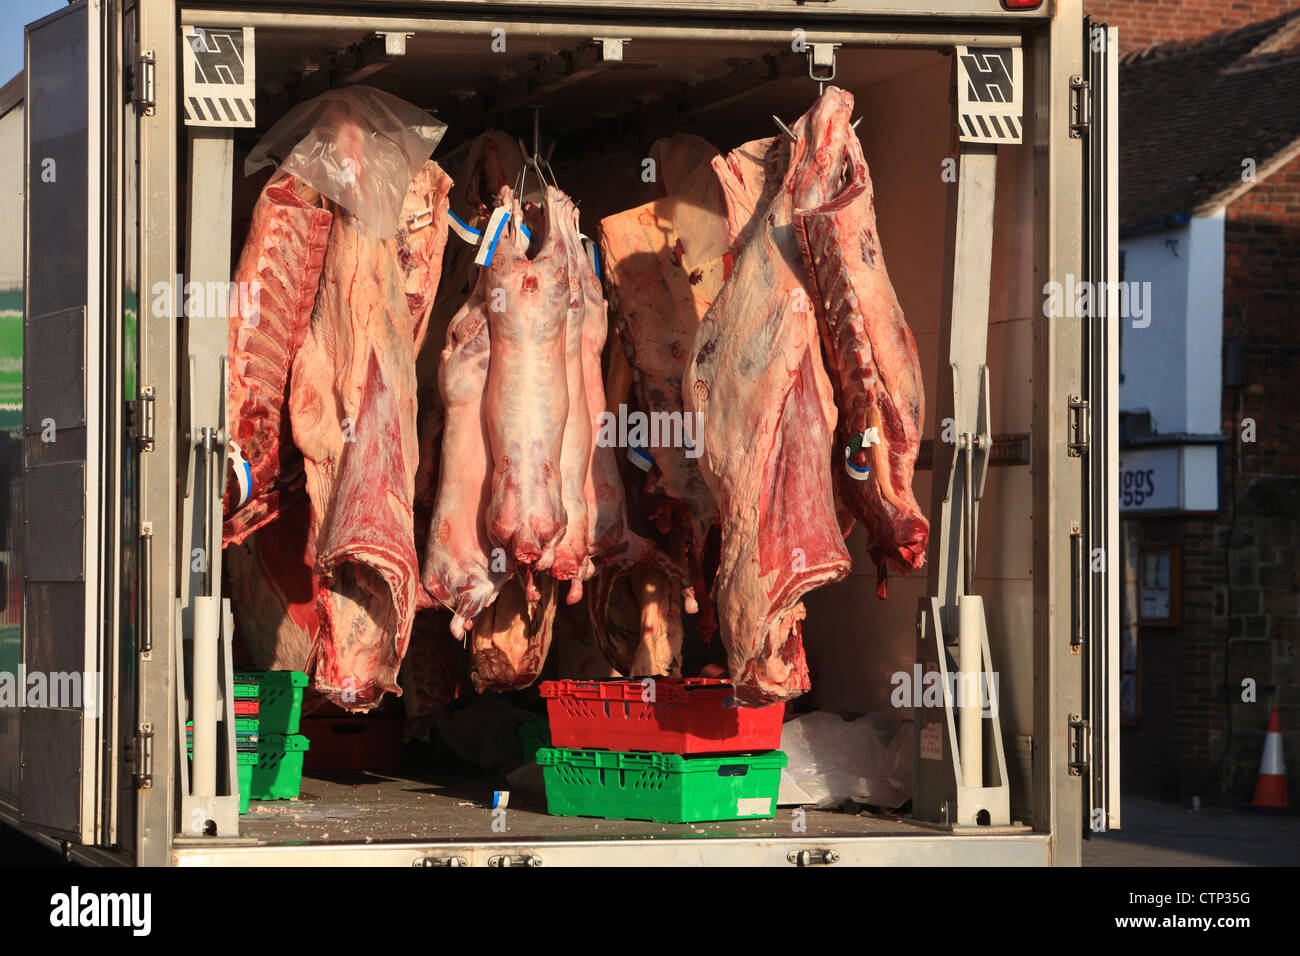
{"points": [[603, 114]]}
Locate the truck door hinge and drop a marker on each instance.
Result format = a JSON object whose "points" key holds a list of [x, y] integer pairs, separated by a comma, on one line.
{"points": [[1080, 107], [1078, 426], [144, 757], [447, 861], [818, 857], [145, 96], [1078, 745], [139, 419], [522, 859]]}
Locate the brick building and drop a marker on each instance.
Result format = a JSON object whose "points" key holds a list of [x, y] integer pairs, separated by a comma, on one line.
{"points": [[1210, 460], [1144, 22]]}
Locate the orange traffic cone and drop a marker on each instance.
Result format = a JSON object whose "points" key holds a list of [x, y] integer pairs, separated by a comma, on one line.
{"points": [[1270, 791]]}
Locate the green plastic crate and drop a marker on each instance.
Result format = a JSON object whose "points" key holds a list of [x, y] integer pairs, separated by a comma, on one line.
{"points": [[246, 684], [243, 726], [245, 762], [663, 788], [280, 701], [278, 774], [533, 736]]}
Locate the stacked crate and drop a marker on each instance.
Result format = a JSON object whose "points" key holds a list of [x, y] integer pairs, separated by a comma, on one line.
{"points": [[670, 750], [276, 768], [247, 708]]}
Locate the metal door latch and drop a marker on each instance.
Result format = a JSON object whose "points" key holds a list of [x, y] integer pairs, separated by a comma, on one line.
{"points": [[1078, 426], [440, 861], [1078, 745], [818, 857], [1080, 107], [524, 859], [144, 756]]}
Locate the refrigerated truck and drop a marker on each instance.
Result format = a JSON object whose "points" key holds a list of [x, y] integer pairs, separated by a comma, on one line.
{"points": [[990, 127]]}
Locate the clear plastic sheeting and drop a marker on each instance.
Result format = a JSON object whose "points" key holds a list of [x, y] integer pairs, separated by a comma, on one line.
{"points": [[868, 760], [359, 147]]}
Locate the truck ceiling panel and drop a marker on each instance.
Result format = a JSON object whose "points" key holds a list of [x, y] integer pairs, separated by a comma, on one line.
{"points": [[444, 73]]}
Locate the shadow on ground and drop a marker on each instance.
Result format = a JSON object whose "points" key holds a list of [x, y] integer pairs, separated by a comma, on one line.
{"points": [[1159, 834]]}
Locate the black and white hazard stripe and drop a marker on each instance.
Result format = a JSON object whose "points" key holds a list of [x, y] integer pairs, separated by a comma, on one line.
{"points": [[219, 111]]}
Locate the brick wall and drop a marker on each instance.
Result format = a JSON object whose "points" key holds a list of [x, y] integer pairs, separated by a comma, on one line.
{"points": [[1261, 289], [1143, 22]]}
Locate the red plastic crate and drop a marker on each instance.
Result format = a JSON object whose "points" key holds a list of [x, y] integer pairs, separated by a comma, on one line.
{"points": [[689, 715], [246, 708]]}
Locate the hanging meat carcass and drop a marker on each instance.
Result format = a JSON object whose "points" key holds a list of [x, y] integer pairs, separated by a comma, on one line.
{"points": [[573, 553], [353, 405], [871, 355], [527, 392], [275, 288], [273, 590], [463, 569], [756, 376], [422, 241], [480, 168], [353, 408], [664, 263], [512, 637]]}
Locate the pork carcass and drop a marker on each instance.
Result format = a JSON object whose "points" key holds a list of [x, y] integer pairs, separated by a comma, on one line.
{"points": [[353, 406], [275, 288], [872, 356], [756, 376], [527, 395], [463, 570], [573, 558], [512, 637]]}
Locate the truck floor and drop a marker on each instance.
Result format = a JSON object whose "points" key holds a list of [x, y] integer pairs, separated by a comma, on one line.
{"points": [[365, 807]]}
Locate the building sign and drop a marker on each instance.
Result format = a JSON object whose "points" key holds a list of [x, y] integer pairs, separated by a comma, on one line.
{"points": [[1178, 478]]}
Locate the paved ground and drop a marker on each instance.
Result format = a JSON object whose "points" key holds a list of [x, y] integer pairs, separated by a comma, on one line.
{"points": [[1158, 834]]}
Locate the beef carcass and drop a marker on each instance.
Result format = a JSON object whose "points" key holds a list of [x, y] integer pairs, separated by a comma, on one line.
{"points": [[463, 570], [275, 288], [353, 405], [527, 395], [756, 376], [432, 670], [873, 360], [664, 263], [421, 242], [273, 590]]}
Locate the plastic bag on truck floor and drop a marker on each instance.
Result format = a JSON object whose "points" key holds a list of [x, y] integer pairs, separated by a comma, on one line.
{"points": [[315, 141], [868, 760]]}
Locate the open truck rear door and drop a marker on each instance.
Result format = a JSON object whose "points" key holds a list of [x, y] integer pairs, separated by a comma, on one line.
{"points": [[72, 420], [1095, 420]]}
